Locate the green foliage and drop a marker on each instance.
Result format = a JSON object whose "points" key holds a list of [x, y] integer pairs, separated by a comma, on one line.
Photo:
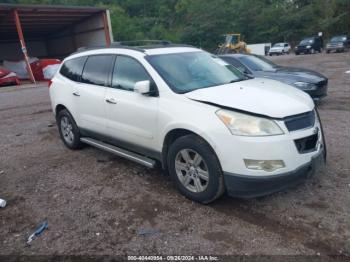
{"points": [[202, 23]]}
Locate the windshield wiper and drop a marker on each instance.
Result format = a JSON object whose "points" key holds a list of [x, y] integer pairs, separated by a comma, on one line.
{"points": [[237, 80]]}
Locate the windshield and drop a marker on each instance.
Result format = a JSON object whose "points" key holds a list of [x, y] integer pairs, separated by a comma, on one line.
{"points": [[338, 39], [185, 72], [307, 41], [278, 45], [257, 63]]}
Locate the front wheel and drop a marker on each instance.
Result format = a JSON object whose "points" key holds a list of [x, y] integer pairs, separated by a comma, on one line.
{"points": [[195, 169]]}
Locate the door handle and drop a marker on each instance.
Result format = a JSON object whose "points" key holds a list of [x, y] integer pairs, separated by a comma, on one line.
{"points": [[76, 94], [111, 100]]}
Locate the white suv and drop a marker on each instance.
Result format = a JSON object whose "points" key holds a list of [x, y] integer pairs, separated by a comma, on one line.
{"points": [[280, 49], [212, 128]]}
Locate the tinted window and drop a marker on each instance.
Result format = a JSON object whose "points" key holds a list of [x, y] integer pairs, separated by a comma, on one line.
{"points": [[97, 70], [235, 63], [338, 39], [127, 72], [307, 41], [257, 63], [73, 68]]}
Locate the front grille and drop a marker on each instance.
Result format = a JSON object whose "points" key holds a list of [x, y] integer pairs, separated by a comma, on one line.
{"points": [[301, 121], [306, 144]]}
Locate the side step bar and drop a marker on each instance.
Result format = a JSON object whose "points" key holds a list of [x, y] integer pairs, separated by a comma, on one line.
{"points": [[120, 152]]}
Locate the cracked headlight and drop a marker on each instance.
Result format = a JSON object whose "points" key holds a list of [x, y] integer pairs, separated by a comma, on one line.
{"points": [[246, 125]]}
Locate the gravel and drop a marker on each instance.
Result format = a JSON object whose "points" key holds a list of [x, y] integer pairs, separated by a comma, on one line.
{"points": [[97, 203]]}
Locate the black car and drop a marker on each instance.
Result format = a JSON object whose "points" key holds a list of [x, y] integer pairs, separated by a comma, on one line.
{"points": [[338, 43], [309, 45], [309, 81]]}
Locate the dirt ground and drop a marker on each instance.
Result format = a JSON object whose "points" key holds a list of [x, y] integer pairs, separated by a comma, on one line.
{"points": [[97, 203]]}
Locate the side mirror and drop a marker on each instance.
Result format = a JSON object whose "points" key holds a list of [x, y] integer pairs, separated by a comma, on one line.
{"points": [[142, 87]]}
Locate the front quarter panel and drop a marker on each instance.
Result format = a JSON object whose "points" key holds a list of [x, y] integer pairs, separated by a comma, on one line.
{"points": [[180, 112]]}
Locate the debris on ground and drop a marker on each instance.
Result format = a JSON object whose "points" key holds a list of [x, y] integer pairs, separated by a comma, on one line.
{"points": [[147, 231], [2, 203], [38, 231]]}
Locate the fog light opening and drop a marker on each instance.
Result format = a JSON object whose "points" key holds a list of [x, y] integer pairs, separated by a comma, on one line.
{"points": [[266, 165]]}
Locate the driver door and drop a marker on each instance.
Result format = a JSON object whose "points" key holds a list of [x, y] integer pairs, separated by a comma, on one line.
{"points": [[131, 117]]}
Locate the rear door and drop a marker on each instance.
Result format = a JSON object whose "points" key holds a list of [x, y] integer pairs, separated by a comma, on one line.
{"points": [[68, 82], [96, 77], [131, 117]]}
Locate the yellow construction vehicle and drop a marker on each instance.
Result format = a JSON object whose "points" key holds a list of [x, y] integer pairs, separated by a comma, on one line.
{"points": [[233, 44]]}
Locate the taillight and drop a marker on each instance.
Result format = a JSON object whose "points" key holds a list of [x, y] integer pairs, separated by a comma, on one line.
{"points": [[49, 83]]}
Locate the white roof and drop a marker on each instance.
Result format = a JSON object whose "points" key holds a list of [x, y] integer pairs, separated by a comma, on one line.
{"points": [[135, 53], [170, 50]]}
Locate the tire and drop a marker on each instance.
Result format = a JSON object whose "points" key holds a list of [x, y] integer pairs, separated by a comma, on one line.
{"points": [[296, 53], [68, 129], [327, 51], [202, 181]]}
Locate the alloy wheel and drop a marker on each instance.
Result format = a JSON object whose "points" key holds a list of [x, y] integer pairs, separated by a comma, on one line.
{"points": [[67, 129], [192, 170]]}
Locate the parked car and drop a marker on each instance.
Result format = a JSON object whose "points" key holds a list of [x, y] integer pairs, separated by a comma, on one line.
{"points": [[338, 43], [307, 80], [279, 49], [309, 45], [201, 119]]}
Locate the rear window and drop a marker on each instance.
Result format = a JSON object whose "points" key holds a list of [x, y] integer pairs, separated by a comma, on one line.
{"points": [[73, 68], [97, 70]]}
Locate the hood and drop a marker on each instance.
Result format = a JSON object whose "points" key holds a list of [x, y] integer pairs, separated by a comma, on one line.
{"points": [[335, 43], [277, 48], [259, 96], [291, 75]]}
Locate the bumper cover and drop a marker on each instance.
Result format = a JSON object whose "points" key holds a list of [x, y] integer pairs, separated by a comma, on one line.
{"points": [[318, 93], [335, 48], [249, 187]]}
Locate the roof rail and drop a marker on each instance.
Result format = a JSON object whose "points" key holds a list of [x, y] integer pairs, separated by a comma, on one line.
{"points": [[138, 45], [113, 45]]}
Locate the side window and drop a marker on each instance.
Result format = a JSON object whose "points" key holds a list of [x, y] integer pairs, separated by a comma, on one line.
{"points": [[97, 70], [128, 71], [73, 68]]}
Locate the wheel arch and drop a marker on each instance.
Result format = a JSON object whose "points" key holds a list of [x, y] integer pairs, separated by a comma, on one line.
{"points": [[59, 108], [176, 133]]}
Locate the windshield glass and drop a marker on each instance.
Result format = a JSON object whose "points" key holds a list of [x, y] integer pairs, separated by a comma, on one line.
{"points": [[278, 45], [338, 39], [257, 63], [307, 41], [185, 72]]}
